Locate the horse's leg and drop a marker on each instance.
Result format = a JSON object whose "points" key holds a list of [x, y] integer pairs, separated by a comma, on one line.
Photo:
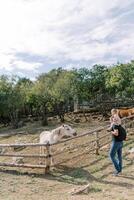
{"points": [[52, 159], [44, 159], [40, 159], [40, 154]]}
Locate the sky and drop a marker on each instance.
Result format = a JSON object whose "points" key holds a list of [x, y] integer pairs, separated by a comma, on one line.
{"points": [[39, 35]]}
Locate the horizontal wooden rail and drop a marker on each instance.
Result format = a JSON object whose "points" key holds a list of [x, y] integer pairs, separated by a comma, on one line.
{"points": [[81, 135], [22, 165], [108, 142], [108, 134], [129, 117], [24, 155], [23, 145], [74, 147], [63, 141]]}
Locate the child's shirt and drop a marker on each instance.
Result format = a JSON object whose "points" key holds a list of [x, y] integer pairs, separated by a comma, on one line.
{"points": [[115, 119]]}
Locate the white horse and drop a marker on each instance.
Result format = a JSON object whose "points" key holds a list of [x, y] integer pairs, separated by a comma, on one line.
{"points": [[52, 137]]}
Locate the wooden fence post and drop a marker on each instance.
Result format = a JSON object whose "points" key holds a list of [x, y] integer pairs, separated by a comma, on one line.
{"points": [[97, 143], [124, 123], [48, 159]]}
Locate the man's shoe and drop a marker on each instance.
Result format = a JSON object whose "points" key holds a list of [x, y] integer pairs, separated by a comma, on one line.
{"points": [[116, 173]]}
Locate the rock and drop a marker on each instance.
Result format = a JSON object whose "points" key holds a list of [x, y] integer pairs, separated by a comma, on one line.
{"points": [[18, 160], [77, 120], [19, 148], [131, 150], [2, 150]]}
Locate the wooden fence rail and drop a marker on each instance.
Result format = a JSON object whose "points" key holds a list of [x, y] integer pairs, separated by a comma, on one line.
{"points": [[22, 165], [23, 145], [23, 155]]}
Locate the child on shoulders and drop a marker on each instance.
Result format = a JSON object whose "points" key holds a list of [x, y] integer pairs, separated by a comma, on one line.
{"points": [[114, 119]]}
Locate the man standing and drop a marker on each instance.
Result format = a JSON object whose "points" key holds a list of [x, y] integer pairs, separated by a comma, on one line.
{"points": [[116, 147]]}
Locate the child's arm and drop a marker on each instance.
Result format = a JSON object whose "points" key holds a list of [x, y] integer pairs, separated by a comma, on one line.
{"points": [[111, 119]]}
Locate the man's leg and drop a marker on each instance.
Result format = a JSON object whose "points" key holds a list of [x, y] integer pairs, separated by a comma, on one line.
{"points": [[119, 154], [113, 152]]}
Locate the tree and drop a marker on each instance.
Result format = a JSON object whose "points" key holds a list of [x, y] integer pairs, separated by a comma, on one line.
{"points": [[25, 85], [90, 84], [120, 80], [63, 92], [11, 99], [43, 95]]}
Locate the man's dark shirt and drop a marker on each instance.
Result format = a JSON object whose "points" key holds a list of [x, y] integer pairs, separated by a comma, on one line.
{"points": [[114, 137]]}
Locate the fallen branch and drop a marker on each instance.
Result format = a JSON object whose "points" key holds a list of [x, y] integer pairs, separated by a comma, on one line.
{"points": [[84, 189]]}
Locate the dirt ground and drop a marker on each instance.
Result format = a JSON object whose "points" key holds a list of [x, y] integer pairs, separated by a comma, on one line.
{"points": [[29, 184]]}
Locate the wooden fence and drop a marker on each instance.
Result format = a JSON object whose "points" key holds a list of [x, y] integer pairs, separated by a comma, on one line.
{"points": [[96, 141]]}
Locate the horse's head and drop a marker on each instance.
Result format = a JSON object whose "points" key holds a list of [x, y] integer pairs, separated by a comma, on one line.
{"points": [[68, 130], [132, 111]]}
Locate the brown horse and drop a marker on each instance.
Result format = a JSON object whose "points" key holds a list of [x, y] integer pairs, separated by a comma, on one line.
{"points": [[125, 112]]}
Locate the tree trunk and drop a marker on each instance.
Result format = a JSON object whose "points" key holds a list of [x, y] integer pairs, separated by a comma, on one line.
{"points": [[44, 117], [61, 115], [14, 118]]}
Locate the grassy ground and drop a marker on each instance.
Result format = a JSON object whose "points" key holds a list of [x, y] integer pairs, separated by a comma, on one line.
{"points": [[20, 184]]}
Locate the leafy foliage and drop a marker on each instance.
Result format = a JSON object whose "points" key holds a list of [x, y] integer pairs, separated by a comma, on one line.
{"points": [[55, 91]]}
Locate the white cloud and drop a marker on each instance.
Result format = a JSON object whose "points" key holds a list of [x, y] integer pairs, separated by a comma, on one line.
{"points": [[26, 66], [103, 30], [124, 46], [9, 62], [62, 30]]}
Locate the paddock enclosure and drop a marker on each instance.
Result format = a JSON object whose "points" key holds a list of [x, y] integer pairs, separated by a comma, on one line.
{"points": [[77, 162], [62, 152]]}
